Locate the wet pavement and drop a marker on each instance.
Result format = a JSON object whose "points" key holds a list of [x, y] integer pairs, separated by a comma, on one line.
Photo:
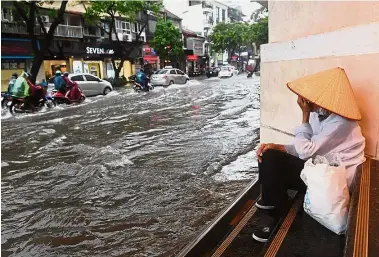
{"points": [[128, 174]]}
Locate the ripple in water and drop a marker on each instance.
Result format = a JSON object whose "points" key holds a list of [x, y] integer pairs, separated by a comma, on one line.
{"points": [[126, 174]]}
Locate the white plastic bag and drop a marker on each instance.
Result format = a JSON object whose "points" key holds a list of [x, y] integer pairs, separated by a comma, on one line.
{"points": [[327, 198]]}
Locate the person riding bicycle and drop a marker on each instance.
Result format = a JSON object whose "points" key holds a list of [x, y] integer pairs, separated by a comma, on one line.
{"points": [[11, 82], [59, 82], [141, 78]]}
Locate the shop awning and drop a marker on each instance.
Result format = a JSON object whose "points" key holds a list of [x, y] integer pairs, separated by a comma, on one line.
{"points": [[153, 58], [192, 57]]}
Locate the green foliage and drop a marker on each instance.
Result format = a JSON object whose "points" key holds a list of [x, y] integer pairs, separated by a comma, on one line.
{"points": [[107, 10], [166, 34], [229, 36], [260, 31], [232, 36], [259, 14]]}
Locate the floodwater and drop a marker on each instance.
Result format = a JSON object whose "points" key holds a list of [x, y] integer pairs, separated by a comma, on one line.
{"points": [[128, 174]]}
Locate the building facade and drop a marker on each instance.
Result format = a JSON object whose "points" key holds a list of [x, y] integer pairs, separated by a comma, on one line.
{"points": [[76, 47], [201, 17], [308, 37]]}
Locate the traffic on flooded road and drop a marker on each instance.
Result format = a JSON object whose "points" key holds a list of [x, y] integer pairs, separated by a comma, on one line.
{"points": [[128, 173]]}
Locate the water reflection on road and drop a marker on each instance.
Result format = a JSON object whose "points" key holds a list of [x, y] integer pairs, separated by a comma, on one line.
{"points": [[126, 174]]}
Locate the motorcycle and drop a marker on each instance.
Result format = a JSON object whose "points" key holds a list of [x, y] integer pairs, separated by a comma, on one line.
{"points": [[18, 105], [6, 99], [138, 87], [60, 98]]}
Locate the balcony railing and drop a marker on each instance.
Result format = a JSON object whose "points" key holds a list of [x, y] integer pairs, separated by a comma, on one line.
{"points": [[67, 30], [91, 32], [14, 28], [207, 23], [61, 30]]}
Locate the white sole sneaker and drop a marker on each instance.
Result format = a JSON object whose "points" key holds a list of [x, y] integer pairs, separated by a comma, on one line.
{"points": [[262, 240], [264, 207]]}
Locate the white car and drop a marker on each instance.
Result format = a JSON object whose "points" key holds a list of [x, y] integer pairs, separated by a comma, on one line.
{"points": [[88, 83], [227, 71], [169, 76]]}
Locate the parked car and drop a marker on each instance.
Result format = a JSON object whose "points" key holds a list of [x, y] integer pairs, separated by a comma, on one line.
{"points": [[88, 83], [213, 72], [169, 76], [227, 71]]}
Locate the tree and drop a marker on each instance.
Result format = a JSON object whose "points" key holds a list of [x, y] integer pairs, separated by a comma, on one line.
{"points": [[108, 12], [167, 41], [259, 32], [28, 12], [229, 37], [232, 37], [259, 14]]}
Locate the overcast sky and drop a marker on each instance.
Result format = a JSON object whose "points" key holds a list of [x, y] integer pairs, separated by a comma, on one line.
{"points": [[247, 7]]}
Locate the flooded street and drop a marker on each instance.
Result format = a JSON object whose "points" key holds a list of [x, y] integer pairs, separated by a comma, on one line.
{"points": [[128, 174]]}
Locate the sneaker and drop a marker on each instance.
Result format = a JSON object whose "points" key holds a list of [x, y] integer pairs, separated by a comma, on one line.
{"points": [[263, 235], [261, 205]]}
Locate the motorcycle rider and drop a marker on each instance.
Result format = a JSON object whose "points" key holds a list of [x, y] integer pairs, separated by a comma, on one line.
{"points": [[11, 82], [21, 89], [142, 79], [59, 82], [73, 92], [36, 92], [250, 69]]}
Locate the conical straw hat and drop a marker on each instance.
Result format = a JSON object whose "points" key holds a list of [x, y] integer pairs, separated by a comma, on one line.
{"points": [[330, 90]]}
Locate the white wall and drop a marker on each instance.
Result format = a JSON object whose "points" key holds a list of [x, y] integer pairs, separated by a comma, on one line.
{"points": [[177, 7], [193, 18]]}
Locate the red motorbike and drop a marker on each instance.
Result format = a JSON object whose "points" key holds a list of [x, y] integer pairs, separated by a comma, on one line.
{"points": [[35, 102], [73, 95]]}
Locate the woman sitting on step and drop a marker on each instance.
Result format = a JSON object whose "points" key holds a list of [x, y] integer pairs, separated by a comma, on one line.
{"points": [[329, 125]]}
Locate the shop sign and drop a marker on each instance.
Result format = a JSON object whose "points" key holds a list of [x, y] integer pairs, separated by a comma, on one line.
{"points": [[98, 50], [150, 58], [16, 48], [192, 57]]}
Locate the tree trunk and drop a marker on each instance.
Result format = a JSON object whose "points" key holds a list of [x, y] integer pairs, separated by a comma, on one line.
{"points": [[37, 62]]}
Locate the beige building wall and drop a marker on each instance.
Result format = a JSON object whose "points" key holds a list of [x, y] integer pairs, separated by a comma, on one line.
{"points": [[307, 37]]}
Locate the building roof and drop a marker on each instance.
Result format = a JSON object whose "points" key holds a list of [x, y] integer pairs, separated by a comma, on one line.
{"points": [[189, 33], [171, 15]]}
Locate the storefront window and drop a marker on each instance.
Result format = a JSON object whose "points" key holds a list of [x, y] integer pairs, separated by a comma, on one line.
{"points": [[8, 67], [77, 67]]}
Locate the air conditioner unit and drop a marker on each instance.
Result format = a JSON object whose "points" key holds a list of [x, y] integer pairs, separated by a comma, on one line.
{"points": [[45, 18], [119, 36]]}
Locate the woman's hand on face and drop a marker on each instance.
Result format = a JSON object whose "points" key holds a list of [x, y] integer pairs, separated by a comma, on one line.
{"points": [[304, 105]]}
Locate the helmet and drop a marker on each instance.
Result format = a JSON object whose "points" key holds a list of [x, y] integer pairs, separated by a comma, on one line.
{"points": [[58, 72], [15, 75], [65, 74]]}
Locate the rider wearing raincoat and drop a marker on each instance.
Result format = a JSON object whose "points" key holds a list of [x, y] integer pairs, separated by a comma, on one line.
{"points": [[21, 87], [59, 82]]}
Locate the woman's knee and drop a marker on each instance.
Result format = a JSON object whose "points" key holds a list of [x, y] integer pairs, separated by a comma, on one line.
{"points": [[270, 155]]}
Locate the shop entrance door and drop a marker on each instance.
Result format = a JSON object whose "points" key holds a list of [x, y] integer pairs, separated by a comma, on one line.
{"points": [[94, 69]]}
